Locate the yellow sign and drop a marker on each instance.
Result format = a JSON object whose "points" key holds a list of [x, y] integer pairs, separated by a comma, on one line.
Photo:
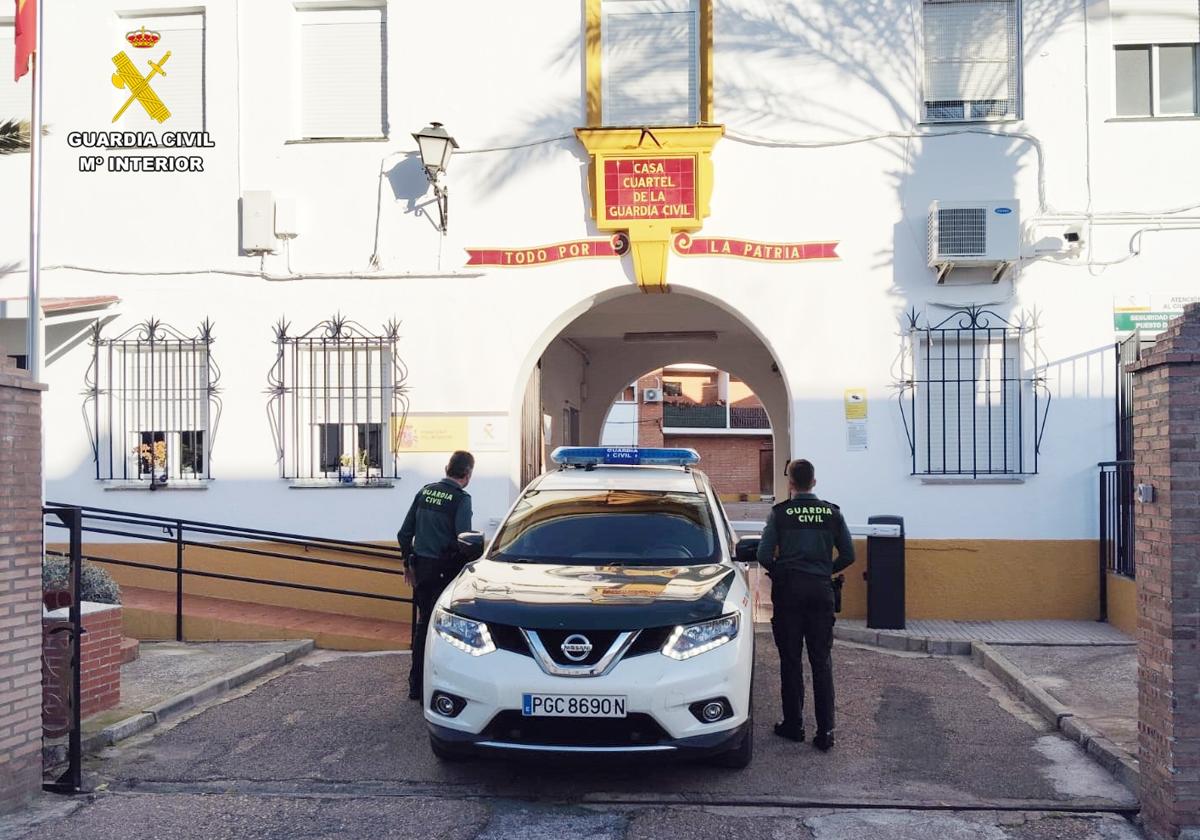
{"points": [[128, 77], [450, 432], [651, 183], [856, 403]]}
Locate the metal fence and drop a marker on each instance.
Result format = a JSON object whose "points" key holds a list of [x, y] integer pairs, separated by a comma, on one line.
{"points": [[714, 417], [181, 534], [1117, 517]]}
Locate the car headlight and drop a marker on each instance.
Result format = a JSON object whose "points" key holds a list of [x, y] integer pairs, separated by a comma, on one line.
{"points": [[465, 634], [690, 640]]}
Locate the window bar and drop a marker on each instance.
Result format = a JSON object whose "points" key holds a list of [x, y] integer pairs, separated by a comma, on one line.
{"points": [[1033, 381], [928, 400], [96, 404], [1004, 396], [294, 396], [987, 385], [1021, 410], [354, 403], [137, 402], [958, 392], [913, 339], [974, 410], [942, 352]]}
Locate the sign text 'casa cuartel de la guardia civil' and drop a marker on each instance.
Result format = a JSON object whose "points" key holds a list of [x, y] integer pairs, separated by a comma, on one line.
{"points": [[650, 189]]}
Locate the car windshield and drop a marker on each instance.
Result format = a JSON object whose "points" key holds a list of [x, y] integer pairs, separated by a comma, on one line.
{"points": [[594, 527]]}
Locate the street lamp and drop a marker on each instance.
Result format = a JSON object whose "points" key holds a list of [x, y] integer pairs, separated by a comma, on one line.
{"points": [[436, 145]]}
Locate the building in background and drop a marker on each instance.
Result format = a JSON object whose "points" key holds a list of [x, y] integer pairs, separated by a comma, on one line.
{"points": [[710, 411]]}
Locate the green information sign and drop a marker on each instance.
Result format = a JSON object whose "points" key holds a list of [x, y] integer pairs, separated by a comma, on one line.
{"points": [[1144, 321]]}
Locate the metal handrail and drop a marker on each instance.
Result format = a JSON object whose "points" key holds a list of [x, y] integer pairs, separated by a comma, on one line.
{"points": [[175, 533]]}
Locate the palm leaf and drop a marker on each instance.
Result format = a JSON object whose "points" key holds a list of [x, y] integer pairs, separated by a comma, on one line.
{"points": [[14, 136]]}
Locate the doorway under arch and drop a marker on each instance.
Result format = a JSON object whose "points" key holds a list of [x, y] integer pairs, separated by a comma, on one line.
{"points": [[604, 343]]}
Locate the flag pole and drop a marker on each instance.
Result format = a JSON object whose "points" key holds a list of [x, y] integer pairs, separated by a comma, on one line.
{"points": [[34, 335]]}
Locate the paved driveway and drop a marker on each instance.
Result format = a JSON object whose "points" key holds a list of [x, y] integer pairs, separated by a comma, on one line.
{"points": [[331, 743]]}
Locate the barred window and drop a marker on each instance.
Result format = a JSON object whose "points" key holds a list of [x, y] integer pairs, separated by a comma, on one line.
{"points": [[971, 399], [338, 402], [972, 59], [152, 407]]}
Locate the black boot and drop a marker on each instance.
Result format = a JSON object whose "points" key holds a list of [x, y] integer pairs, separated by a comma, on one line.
{"points": [[414, 690], [790, 731], [823, 741]]}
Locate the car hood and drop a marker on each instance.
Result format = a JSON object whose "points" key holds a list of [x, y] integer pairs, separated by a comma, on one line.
{"points": [[550, 596]]}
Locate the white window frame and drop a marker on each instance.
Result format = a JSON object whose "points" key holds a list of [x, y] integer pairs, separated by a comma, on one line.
{"points": [[1155, 82], [695, 107], [1019, 69], [300, 10]]}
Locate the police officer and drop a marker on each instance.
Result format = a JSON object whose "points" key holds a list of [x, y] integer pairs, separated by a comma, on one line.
{"points": [[797, 551], [429, 542]]}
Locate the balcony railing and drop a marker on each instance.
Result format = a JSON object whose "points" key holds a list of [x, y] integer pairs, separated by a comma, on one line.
{"points": [[714, 417]]}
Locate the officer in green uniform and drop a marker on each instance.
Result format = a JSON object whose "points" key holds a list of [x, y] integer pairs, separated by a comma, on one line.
{"points": [[797, 552], [429, 542]]}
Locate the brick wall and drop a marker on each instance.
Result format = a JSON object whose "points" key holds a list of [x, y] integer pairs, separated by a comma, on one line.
{"points": [[20, 587], [100, 653], [731, 462], [1167, 456]]}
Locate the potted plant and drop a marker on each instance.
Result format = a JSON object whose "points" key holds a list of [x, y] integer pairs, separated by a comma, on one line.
{"points": [[153, 458], [345, 470]]}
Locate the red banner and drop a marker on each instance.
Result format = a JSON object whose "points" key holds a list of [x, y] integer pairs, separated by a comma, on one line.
{"points": [[579, 249], [748, 249], [649, 189]]}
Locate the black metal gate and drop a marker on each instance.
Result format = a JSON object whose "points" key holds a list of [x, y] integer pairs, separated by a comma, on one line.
{"points": [[61, 642]]}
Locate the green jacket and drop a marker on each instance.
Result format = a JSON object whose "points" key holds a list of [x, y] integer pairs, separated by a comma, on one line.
{"points": [[439, 513], [805, 530]]}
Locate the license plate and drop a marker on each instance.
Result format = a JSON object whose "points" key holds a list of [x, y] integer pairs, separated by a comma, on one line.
{"points": [[572, 705]]}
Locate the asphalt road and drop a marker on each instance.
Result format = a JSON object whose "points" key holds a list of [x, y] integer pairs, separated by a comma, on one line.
{"points": [[330, 747]]}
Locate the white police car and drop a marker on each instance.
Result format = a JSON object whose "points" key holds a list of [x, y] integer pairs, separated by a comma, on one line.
{"points": [[606, 616]]}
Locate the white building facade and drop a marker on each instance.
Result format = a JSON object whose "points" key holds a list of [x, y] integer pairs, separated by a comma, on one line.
{"points": [[284, 327]]}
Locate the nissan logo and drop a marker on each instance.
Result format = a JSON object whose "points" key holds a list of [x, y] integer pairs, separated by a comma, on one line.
{"points": [[576, 647]]}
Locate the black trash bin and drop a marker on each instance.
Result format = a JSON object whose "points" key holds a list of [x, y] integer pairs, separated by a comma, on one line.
{"points": [[885, 577]]}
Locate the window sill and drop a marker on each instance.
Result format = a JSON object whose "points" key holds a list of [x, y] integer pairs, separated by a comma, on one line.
{"points": [[1177, 118], [305, 140], [144, 486], [335, 484], [966, 479], [984, 121]]}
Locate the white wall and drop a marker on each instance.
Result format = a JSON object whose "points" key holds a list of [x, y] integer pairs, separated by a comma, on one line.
{"points": [[834, 72]]}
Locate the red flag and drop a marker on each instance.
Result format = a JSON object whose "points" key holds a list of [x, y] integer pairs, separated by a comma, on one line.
{"points": [[26, 40]]}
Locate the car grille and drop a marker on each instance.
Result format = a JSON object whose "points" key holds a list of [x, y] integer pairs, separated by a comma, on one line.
{"points": [[636, 730], [650, 640]]}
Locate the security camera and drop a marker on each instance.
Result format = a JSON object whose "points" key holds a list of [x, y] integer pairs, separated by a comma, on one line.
{"points": [[1073, 235]]}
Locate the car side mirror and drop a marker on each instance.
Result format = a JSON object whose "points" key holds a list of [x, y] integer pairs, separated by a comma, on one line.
{"points": [[470, 545], [746, 550]]}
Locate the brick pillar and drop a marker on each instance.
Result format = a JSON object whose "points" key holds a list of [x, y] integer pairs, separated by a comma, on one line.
{"points": [[20, 587], [1166, 393]]}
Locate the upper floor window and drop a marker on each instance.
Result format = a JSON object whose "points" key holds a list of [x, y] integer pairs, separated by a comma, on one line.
{"points": [[1156, 80], [14, 96], [180, 87], [338, 402], [342, 72], [152, 405], [651, 62], [1155, 57], [972, 60]]}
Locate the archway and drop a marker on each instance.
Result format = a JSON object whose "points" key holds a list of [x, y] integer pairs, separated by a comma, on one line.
{"points": [[604, 343]]}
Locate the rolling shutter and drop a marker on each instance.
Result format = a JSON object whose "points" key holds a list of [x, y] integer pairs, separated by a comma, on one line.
{"points": [[14, 96], [342, 73], [1155, 21], [181, 86], [650, 62], [970, 50]]}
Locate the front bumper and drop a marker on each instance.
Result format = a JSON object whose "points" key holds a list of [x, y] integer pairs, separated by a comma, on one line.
{"points": [[658, 692]]}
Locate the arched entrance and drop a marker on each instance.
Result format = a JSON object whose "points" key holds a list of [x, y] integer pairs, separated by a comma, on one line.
{"points": [[600, 346]]}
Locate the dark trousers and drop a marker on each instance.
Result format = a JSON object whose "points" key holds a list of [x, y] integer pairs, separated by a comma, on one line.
{"points": [[431, 578], [803, 606]]}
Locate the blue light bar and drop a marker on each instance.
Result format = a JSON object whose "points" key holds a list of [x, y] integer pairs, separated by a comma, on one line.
{"points": [[586, 456]]}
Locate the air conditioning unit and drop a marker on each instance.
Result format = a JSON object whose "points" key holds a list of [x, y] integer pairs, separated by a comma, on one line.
{"points": [[652, 395], [974, 234]]}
